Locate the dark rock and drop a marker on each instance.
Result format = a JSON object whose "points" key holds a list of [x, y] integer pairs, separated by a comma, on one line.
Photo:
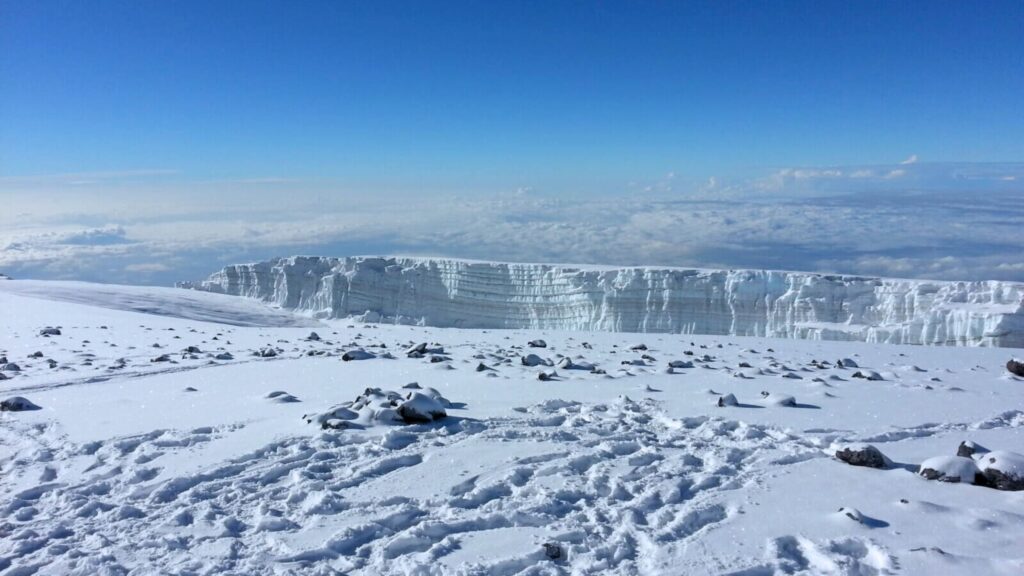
{"points": [[420, 409], [161, 358], [534, 360], [49, 331], [191, 350], [554, 551], [1002, 470], [313, 336], [868, 456], [17, 404], [537, 344], [481, 367], [638, 347], [11, 367], [36, 354], [1015, 368], [968, 449], [357, 355]]}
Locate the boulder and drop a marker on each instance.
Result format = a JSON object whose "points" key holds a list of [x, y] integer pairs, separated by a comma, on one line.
{"points": [[11, 367], [863, 455], [17, 404], [680, 364], [313, 337], [1002, 470], [357, 355], [538, 343], [868, 375], [50, 331], [281, 397], [968, 449], [420, 348], [534, 360], [777, 399], [224, 356], [727, 400], [1016, 368], [419, 408], [949, 469]]}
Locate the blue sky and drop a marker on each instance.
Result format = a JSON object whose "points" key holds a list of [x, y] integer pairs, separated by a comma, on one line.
{"points": [[113, 115]]}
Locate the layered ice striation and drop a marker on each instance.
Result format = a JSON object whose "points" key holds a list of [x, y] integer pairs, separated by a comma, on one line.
{"points": [[471, 294]]}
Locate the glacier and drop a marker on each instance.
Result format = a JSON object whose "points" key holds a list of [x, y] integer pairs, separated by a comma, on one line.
{"points": [[444, 292]]}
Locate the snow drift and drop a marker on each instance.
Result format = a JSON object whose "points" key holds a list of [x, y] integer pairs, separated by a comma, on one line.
{"points": [[470, 294]]}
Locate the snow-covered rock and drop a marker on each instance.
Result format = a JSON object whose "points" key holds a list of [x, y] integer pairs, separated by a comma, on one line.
{"points": [[420, 408], [1003, 470], [727, 400], [777, 399], [949, 469], [459, 293]]}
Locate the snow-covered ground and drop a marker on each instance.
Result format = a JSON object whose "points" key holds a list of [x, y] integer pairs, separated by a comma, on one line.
{"points": [[192, 465]]}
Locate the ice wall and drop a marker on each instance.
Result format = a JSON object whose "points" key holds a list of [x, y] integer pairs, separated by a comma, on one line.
{"points": [[469, 294]]}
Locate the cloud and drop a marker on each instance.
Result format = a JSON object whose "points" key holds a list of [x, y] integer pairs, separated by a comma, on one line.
{"points": [[96, 236], [911, 160], [880, 226]]}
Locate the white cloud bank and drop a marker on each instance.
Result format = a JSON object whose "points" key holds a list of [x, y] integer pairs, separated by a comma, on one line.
{"points": [[950, 221]]}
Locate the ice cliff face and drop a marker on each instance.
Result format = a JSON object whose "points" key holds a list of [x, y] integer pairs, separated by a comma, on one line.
{"points": [[458, 293]]}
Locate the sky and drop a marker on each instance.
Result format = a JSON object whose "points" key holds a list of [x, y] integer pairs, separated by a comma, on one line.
{"points": [[148, 142]]}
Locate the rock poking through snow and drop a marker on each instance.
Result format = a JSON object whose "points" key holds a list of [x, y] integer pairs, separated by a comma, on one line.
{"points": [[17, 404], [534, 360], [968, 449], [1003, 470], [863, 455], [954, 469], [419, 408], [1016, 368], [357, 355]]}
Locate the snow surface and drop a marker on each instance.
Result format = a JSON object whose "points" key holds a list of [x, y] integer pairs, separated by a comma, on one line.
{"points": [[472, 294], [197, 466]]}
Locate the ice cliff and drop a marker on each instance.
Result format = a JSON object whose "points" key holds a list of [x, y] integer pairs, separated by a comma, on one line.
{"points": [[469, 294]]}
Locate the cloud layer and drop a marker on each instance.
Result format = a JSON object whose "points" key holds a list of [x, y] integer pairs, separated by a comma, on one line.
{"points": [[948, 221]]}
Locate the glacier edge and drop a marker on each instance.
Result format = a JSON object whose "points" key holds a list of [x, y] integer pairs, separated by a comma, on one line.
{"points": [[471, 294]]}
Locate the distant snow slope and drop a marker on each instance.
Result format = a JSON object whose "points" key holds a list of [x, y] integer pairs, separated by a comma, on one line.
{"points": [[469, 294], [162, 445], [156, 300]]}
